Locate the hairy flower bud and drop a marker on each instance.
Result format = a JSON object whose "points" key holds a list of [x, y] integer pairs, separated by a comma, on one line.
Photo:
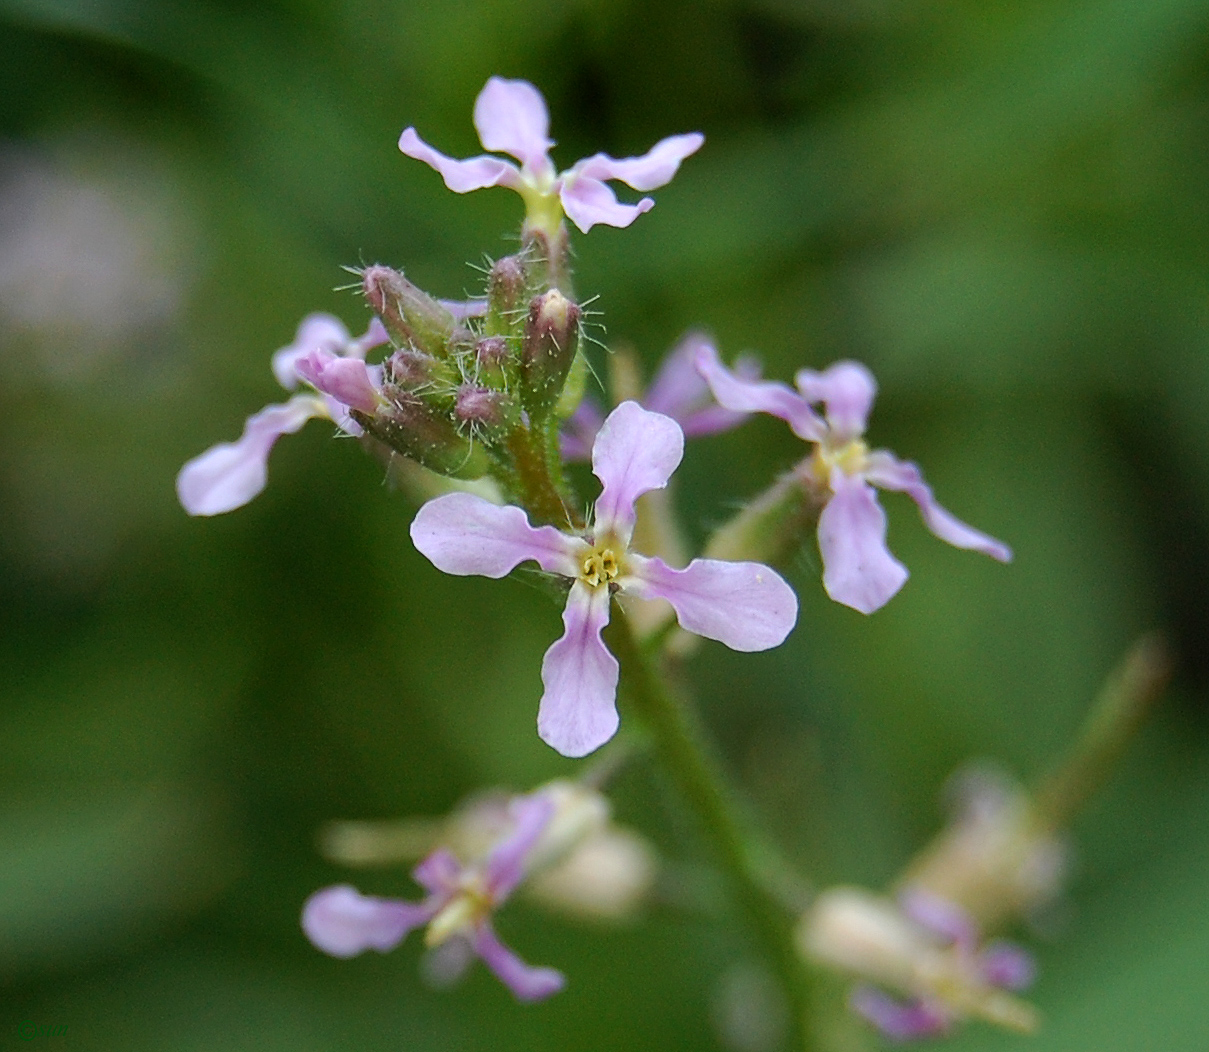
{"points": [[505, 293], [550, 345], [417, 430], [485, 412], [411, 316]]}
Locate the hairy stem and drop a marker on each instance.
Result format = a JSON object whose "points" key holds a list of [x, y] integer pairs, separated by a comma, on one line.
{"points": [[760, 881]]}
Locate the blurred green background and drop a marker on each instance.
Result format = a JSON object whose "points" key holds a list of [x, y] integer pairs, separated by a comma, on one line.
{"points": [[1002, 207]]}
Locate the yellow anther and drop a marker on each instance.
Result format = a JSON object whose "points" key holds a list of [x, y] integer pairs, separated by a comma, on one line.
{"points": [[600, 567], [850, 458]]}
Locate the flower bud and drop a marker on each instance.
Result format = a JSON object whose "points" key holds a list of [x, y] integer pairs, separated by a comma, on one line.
{"points": [[493, 359], [487, 413], [550, 345], [505, 293], [411, 316], [417, 430]]}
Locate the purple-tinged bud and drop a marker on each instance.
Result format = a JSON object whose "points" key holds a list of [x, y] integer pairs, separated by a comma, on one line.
{"points": [[493, 360], [550, 345], [505, 293], [423, 433], [485, 412], [410, 369], [410, 315]]}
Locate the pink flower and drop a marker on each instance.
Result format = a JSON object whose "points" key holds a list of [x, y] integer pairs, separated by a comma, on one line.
{"points": [[858, 569], [742, 604], [325, 356], [461, 899], [677, 391], [510, 117]]}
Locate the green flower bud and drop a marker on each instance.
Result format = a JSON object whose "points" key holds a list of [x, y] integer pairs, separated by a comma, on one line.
{"points": [[411, 316], [550, 345]]}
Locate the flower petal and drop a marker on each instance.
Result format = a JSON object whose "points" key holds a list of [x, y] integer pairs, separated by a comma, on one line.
{"points": [[461, 176], [899, 1021], [510, 116], [635, 451], [745, 605], [858, 569], [579, 431], [230, 474], [342, 922], [847, 390], [888, 472], [526, 982], [589, 201], [345, 379], [506, 865], [759, 396], [315, 332], [374, 336], [680, 391], [578, 711], [463, 534], [1006, 965], [438, 873], [654, 168]]}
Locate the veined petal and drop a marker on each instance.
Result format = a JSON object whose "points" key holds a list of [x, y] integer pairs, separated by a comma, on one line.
{"points": [[230, 474], [346, 379], [653, 169], [342, 922], [635, 451], [510, 117], [846, 389], [588, 201], [759, 396], [887, 471], [745, 605], [315, 332], [526, 982], [858, 569], [578, 711], [463, 534], [506, 865], [461, 176]]}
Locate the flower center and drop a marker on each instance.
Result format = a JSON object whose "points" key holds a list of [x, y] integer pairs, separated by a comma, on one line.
{"points": [[469, 907], [850, 457], [599, 567]]}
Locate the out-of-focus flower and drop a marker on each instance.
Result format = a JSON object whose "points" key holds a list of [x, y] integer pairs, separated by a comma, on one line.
{"points": [[510, 117], [327, 358], [745, 605], [460, 903], [677, 391], [925, 949], [858, 568]]}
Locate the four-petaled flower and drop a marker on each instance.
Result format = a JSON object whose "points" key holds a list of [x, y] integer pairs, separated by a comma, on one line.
{"points": [[677, 391], [326, 357], [459, 904], [510, 117], [858, 569], [742, 604]]}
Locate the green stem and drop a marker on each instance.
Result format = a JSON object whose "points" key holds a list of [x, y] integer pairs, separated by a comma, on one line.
{"points": [[538, 491], [770, 528], [758, 877]]}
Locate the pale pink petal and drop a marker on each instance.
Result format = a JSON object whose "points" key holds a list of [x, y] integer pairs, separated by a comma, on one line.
{"points": [[1008, 966], [900, 1021], [589, 201], [847, 390], [858, 569], [745, 395], [578, 711], [510, 117], [463, 534], [506, 865], [636, 451], [653, 169], [346, 379], [374, 336], [461, 176], [463, 309], [680, 391], [439, 872], [526, 982], [579, 431], [745, 605], [230, 474], [342, 922], [315, 332], [888, 472]]}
